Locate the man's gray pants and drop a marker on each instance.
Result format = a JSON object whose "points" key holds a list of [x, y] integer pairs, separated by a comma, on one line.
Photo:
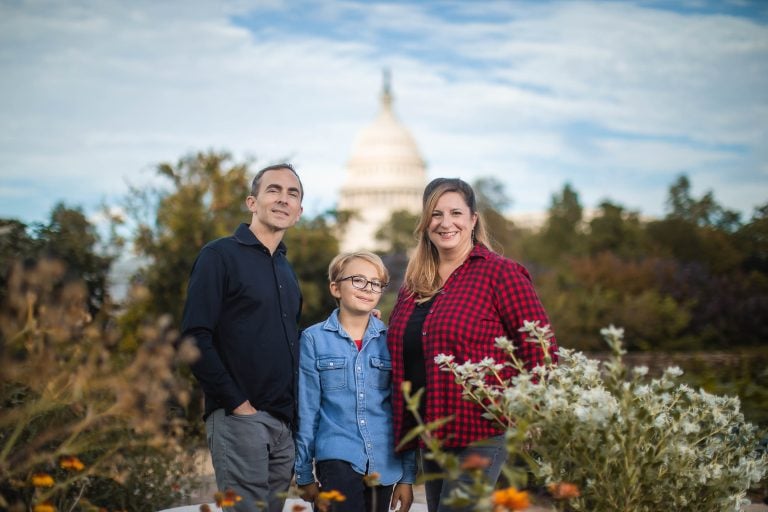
{"points": [[253, 456]]}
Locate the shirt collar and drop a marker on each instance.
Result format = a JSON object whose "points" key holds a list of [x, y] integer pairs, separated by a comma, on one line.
{"points": [[375, 326], [480, 251], [245, 236]]}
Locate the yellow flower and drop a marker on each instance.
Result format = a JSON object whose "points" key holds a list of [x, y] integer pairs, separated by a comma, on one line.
{"points": [[510, 499], [44, 507], [71, 462], [42, 480], [324, 499], [332, 496]]}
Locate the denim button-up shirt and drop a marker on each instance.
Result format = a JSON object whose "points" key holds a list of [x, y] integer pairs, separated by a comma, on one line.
{"points": [[345, 407]]}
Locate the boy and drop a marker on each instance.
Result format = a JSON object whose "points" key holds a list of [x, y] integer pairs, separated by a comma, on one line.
{"points": [[345, 410]]}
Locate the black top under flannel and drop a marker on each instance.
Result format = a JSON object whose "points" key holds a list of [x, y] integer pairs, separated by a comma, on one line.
{"points": [[242, 309]]}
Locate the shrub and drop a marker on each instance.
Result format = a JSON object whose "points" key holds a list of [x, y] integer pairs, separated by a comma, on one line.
{"points": [[82, 423], [627, 441]]}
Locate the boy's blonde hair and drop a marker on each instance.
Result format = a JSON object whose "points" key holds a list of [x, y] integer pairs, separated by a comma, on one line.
{"points": [[339, 262]]}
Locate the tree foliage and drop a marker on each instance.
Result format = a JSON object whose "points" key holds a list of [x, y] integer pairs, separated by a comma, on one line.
{"points": [[491, 194], [694, 279], [397, 233], [201, 199], [562, 235], [311, 247], [68, 237], [703, 211]]}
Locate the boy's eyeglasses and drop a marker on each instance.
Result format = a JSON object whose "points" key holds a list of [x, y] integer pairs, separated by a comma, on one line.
{"points": [[361, 282]]}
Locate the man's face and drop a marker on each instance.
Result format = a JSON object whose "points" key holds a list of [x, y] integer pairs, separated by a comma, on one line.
{"points": [[277, 206]]}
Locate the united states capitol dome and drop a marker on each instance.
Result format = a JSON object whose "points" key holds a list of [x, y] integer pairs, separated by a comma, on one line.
{"points": [[385, 173]]}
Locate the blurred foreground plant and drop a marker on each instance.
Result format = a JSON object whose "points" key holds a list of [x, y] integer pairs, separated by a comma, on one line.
{"points": [[472, 488], [606, 438], [81, 422]]}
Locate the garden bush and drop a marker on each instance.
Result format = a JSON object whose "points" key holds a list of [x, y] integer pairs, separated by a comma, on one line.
{"points": [[620, 439], [82, 424]]}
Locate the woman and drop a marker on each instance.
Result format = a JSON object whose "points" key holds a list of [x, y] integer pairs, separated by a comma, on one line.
{"points": [[458, 296]]}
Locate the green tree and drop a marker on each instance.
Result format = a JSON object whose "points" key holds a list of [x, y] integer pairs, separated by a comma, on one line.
{"points": [[15, 245], [616, 230], [397, 233], [491, 193], [704, 211], [492, 200], [753, 238], [69, 237], [311, 247], [562, 235], [202, 199]]}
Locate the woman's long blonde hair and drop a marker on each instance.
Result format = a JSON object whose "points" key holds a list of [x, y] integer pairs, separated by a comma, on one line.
{"points": [[421, 277]]}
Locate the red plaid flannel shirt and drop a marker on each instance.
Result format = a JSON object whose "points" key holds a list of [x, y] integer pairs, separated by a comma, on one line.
{"points": [[486, 297]]}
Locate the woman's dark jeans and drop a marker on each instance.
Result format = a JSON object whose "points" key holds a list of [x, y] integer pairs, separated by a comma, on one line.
{"points": [[438, 490]]}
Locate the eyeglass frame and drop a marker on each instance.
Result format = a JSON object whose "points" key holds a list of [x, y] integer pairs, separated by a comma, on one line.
{"points": [[367, 282]]}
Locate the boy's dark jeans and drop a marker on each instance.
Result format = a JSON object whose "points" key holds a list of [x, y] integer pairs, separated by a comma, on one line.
{"points": [[338, 475]]}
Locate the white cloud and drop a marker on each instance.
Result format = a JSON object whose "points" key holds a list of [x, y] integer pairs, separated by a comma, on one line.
{"points": [[539, 93]]}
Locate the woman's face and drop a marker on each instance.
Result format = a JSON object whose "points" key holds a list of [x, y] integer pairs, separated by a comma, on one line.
{"points": [[452, 224]]}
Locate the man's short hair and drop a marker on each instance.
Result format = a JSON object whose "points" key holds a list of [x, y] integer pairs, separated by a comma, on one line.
{"points": [[276, 167]]}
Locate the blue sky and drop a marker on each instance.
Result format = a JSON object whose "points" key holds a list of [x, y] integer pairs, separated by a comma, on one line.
{"points": [[616, 98]]}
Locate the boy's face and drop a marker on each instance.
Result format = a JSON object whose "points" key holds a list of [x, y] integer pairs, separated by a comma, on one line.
{"points": [[352, 299]]}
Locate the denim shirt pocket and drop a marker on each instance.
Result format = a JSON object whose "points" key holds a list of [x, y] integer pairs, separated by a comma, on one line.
{"points": [[381, 372], [332, 372]]}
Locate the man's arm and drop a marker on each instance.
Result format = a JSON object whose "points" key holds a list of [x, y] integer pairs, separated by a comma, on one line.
{"points": [[205, 296]]}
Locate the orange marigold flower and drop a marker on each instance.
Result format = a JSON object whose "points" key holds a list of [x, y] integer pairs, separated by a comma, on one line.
{"points": [[475, 461], [298, 508], [511, 499], [371, 480], [71, 462], [333, 495], [44, 507], [227, 498], [563, 490], [42, 480], [205, 507]]}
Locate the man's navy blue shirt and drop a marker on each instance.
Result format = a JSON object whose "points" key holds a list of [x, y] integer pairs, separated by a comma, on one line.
{"points": [[243, 306]]}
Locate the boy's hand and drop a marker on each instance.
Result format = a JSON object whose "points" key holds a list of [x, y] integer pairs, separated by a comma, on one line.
{"points": [[402, 493], [309, 492]]}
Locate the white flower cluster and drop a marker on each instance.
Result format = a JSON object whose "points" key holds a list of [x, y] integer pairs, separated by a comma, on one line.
{"points": [[629, 441]]}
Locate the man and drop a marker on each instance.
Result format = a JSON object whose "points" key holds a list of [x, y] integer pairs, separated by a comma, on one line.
{"points": [[242, 309]]}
